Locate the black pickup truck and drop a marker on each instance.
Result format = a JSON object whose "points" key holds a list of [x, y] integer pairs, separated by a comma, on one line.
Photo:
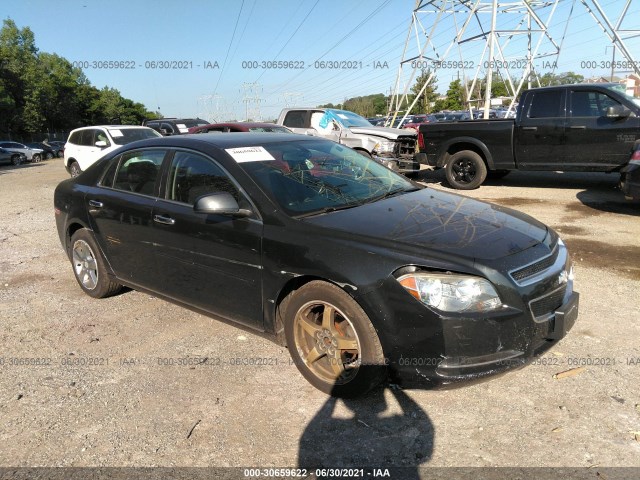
{"points": [[585, 128]]}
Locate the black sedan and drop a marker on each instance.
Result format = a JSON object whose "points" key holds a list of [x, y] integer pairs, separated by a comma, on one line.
{"points": [[361, 272]]}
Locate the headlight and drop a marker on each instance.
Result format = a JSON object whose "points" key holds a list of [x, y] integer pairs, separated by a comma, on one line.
{"points": [[451, 292], [384, 147]]}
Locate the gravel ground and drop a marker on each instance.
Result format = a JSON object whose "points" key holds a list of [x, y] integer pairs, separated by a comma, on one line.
{"points": [[91, 383]]}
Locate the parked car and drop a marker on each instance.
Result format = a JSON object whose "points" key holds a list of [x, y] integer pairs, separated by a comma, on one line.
{"points": [[15, 158], [87, 144], [418, 120], [58, 146], [630, 175], [240, 127], [580, 128], [358, 270], [393, 147], [456, 117], [174, 126], [48, 151], [377, 121], [32, 154]]}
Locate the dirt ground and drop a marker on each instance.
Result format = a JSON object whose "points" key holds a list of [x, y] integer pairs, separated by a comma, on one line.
{"points": [[124, 381]]}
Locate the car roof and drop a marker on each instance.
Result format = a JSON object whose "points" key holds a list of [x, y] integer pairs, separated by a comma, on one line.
{"points": [[226, 140], [240, 124]]}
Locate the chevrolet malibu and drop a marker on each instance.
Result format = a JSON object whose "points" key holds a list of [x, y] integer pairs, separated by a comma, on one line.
{"points": [[361, 272]]}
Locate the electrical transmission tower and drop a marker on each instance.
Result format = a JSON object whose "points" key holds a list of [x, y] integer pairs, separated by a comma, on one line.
{"points": [[251, 100], [291, 98], [209, 107], [487, 40]]}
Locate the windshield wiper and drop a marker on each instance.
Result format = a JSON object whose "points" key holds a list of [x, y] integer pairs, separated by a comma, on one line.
{"points": [[392, 193], [332, 209]]}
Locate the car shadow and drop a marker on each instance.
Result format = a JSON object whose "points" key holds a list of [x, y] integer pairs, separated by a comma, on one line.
{"points": [[600, 190], [383, 429]]}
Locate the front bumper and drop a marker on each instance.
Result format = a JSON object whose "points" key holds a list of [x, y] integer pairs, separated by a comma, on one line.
{"points": [[399, 164], [429, 349]]}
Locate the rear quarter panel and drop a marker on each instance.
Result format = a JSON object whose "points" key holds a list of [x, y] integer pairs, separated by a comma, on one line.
{"points": [[493, 138]]}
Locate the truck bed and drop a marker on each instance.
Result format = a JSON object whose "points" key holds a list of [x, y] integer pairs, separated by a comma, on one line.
{"points": [[493, 137]]}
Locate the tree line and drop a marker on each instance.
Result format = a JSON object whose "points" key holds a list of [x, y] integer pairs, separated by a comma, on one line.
{"points": [[42, 91], [455, 97]]}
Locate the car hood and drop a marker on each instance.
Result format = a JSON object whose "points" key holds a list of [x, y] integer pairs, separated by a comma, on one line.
{"points": [[440, 221], [383, 132]]}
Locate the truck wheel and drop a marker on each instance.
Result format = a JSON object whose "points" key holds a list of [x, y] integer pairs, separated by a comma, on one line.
{"points": [[466, 170]]}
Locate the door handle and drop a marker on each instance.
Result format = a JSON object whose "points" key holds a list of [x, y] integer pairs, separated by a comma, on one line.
{"points": [[582, 127], [533, 129], [164, 220], [96, 204]]}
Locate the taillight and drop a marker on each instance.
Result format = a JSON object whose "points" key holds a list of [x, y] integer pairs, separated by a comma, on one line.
{"points": [[421, 141], [636, 155]]}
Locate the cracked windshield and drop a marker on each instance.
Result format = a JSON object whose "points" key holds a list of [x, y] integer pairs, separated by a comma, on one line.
{"points": [[319, 177]]}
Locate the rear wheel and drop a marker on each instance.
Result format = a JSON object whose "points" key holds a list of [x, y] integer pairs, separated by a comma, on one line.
{"points": [[466, 170], [332, 341], [74, 169], [36, 158], [49, 155], [89, 266], [16, 160]]}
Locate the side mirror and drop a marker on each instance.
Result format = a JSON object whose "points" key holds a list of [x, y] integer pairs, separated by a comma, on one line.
{"points": [[618, 111], [165, 132], [101, 144], [335, 125], [220, 203]]}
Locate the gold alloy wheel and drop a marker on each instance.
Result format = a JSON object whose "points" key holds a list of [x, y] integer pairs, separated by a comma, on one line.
{"points": [[327, 342]]}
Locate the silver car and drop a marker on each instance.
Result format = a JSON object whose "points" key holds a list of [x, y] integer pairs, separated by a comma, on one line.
{"points": [[32, 154]]}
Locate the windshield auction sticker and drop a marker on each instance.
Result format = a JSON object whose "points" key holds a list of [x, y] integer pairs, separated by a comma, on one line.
{"points": [[249, 154]]}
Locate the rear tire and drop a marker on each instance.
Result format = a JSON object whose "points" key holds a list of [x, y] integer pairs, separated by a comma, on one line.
{"points": [[465, 170], [89, 267], [49, 156], [36, 158], [16, 160], [332, 341]]}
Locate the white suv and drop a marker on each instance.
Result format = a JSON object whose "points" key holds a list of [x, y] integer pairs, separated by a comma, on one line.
{"points": [[86, 145]]}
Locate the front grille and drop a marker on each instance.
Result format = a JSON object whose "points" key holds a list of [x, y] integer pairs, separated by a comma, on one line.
{"points": [[405, 146], [535, 268], [546, 305]]}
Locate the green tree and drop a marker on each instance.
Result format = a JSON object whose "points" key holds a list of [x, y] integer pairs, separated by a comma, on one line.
{"points": [[455, 99], [565, 78], [428, 97]]}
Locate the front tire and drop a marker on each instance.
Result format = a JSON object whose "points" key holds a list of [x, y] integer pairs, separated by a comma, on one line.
{"points": [[465, 170], [49, 155], [332, 341], [36, 158], [16, 160], [89, 267]]}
